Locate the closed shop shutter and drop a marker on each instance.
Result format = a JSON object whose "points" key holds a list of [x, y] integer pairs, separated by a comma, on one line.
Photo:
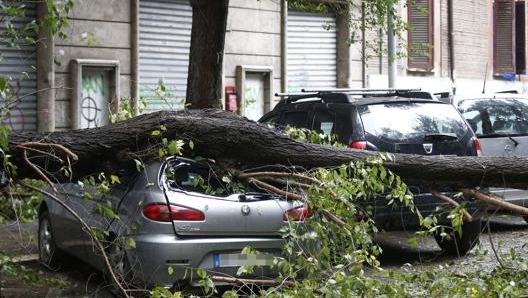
{"points": [[164, 42], [311, 51], [19, 64], [504, 36]]}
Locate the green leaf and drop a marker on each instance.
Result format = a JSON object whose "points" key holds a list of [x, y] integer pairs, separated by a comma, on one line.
{"points": [[131, 243], [114, 179], [139, 164], [3, 83], [201, 273], [155, 133], [161, 152], [174, 148], [383, 173]]}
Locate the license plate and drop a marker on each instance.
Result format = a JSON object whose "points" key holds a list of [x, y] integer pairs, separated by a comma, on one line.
{"points": [[237, 260]]}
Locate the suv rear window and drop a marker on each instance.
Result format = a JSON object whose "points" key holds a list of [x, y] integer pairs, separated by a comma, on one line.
{"points": [[411, 121]]}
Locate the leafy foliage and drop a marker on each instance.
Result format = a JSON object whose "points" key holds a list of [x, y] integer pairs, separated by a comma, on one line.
{"points": [[21, 205]]}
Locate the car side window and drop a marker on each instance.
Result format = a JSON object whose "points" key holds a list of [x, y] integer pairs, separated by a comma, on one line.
{"points": [[272, 119], [323, 121], [296, 118]]}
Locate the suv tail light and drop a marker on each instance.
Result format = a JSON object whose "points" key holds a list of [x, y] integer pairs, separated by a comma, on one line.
{"points": [[358, 145], [296, 214], [168, 213], [476, 146], [362, 217]]}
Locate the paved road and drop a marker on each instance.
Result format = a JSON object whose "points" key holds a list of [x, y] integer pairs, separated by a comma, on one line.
{"points": [[502, 234], [79, 280], [32, 280]]}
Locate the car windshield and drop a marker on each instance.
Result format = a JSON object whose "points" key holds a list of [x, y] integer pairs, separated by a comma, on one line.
{"points": [[412, 121], [496, 117]]}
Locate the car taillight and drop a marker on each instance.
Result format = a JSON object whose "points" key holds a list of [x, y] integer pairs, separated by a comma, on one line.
{"points": [[361, 217], [358, 145], [167, 213], [296, 214], [476, 145]]}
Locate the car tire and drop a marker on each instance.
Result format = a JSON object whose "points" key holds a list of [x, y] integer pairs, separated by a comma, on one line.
{"points": [[120, 263], [460, 245], [49, 254]]}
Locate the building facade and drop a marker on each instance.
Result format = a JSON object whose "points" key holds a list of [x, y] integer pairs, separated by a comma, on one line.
{"points": [[473, 47], [137, 51]]}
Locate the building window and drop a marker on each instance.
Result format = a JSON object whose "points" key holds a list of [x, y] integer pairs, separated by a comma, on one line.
{"points": [[420, 36], [508, 37]]}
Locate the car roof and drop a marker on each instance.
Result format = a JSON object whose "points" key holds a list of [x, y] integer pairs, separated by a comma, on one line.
{"points": [[488, 96]]}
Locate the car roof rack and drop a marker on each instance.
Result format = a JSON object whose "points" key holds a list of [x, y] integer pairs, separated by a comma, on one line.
{"points": [[342, 94], [508, 91], [360, 90], [365, 92]]}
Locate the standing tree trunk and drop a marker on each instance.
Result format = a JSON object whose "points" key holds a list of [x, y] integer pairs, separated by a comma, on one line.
{"points": [[204, 82]]}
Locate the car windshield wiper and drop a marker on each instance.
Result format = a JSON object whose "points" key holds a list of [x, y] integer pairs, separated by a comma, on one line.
{"points": [[515, 142], [440, 137]]}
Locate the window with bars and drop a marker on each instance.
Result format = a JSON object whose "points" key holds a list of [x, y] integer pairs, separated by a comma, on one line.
{"points": [[420, 35], [509, 47]]}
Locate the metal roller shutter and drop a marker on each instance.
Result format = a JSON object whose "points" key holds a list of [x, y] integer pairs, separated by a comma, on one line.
{"points": [[164, 42], [19, 64], [311, 50]]}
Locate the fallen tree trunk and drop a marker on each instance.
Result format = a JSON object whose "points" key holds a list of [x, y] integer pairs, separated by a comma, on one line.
{"points": [[230, 138]]}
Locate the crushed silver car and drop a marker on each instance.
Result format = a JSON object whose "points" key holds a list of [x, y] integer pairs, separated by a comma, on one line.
{"points": [[178, 216]]}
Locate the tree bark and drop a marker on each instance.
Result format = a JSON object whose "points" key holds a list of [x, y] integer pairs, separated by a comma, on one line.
{"points": [[204, 82], [224, 136]]}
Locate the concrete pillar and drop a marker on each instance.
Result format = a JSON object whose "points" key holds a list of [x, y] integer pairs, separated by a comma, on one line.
{"points": [[284, 46]]}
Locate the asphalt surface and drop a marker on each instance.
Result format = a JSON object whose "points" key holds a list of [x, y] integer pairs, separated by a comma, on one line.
{"points": [[31, 279], [78, 280]]}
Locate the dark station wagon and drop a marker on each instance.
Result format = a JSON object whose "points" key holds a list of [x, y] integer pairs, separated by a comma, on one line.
{"points": [[388, 120]]}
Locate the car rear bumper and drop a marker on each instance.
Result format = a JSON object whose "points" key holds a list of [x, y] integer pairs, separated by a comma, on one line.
{"points": [[153, 255], [399, 217]]}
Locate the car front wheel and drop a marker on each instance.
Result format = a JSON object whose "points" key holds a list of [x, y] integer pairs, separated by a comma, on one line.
{"points": [[49, 255], [460, 245]]}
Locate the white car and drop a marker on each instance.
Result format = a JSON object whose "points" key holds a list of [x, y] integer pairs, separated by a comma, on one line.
{"points": [[500, 121]]}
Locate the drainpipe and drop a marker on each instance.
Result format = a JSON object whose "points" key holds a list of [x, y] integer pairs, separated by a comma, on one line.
{"points": [[380, 38], [134, 56], [363, 48], [391, 46], [284, 46], [451, 45]]}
